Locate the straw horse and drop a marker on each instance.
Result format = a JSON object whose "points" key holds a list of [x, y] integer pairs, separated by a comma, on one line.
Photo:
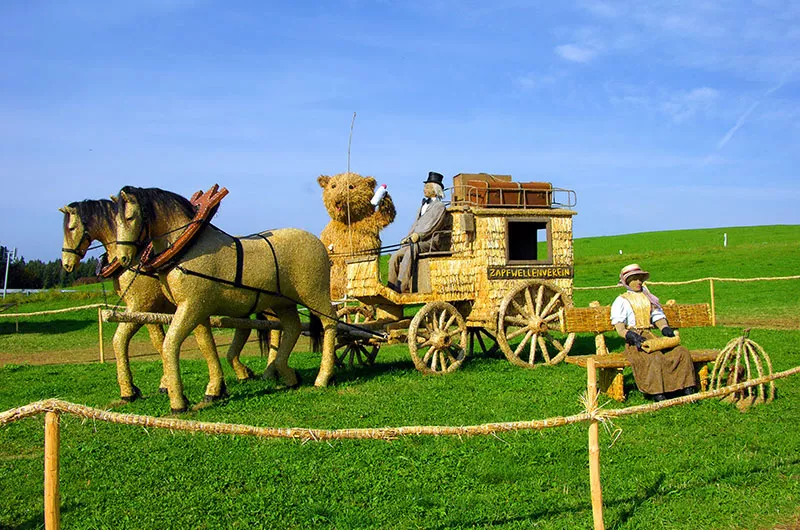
{"points": [[90, 220], [218, 274]]}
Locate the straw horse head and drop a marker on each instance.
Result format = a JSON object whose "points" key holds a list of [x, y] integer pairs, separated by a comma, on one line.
{"points": [[84, 222], [95, 220], [218, 274]]}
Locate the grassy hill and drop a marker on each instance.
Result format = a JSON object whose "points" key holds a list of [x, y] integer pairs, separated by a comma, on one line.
{"points": [[700, 466]]}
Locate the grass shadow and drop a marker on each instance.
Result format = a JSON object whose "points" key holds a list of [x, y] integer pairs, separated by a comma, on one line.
{"points": [[54, 327]]}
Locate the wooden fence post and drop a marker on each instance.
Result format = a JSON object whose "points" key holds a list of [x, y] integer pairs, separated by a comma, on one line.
{"points": [[594, 448], [713, 305], [52, 497], [100, 327]]}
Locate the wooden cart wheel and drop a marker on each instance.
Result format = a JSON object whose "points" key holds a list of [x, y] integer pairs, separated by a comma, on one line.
{"points": [[437, 338], [530, 326], [352, 350]]}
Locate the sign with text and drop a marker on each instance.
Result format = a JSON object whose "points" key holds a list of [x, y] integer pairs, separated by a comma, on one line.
{"points": [[546, 272]]}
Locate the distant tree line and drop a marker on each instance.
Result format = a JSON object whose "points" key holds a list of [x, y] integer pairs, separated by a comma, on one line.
{"points": [[37, 274]]}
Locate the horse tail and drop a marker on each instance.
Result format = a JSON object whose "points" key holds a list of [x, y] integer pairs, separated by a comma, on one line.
{"points": [[263, 336], [315, 331]]}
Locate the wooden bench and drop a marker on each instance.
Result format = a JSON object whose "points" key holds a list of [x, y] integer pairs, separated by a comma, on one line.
{"points": [[610, 366]]}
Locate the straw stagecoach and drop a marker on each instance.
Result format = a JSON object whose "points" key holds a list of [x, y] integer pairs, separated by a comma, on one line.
{"points": [[504, 272]]}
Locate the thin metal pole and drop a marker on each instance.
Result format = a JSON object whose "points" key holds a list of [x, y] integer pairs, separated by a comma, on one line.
{"points": [[9, 257], [52, 496], [594, 448]]}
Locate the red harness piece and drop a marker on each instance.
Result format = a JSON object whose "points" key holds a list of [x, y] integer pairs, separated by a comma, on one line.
{"points": [[204, 204], [111, 269]]}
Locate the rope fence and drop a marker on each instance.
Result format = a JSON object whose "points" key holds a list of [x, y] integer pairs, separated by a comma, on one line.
{"points": [[709, 279], [53, 311], [697, 280], [593, 413]]}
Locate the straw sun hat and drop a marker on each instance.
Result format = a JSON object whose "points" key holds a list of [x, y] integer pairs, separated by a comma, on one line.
{"points": [[631, 270]]}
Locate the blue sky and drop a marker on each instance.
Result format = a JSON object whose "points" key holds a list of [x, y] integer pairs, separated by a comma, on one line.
{"points": [[660, 114]]}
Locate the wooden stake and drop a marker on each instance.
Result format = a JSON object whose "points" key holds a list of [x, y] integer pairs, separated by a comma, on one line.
{"points": [[52, 497], [713, 307], [100, 328], [594, 449]]}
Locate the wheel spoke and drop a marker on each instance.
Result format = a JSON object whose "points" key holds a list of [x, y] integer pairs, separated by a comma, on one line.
{"points": [[435, 359], [529, 302], [543, 347], [550, 318], [522, 344], [539, 298], [442, 316], [515, 334], [515, 320], [451, 357], [534, 342], [454, 333], [427, 356], [551, 304], [520, 310], [450, 321]]}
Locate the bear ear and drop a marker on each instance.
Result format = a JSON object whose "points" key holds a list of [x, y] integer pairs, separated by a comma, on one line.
{"points": [[370, 182], [323, 181]]}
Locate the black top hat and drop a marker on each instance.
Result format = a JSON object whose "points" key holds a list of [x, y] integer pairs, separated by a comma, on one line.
{"points": [[435, 177]]}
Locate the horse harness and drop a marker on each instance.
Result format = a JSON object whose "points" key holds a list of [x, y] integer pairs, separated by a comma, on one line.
{"points": [[237, 281]]}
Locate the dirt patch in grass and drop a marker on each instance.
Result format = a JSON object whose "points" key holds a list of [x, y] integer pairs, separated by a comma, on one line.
{"points": [[138, 351]]}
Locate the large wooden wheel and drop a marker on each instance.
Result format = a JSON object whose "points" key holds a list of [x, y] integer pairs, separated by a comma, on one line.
{"points": [[352, 350], [531, 327], [437, 338]]}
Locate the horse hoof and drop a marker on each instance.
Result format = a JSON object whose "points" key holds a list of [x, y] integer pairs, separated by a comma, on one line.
{"points": [[210, 399], [179, 411], [133, 397], [163, 390]]}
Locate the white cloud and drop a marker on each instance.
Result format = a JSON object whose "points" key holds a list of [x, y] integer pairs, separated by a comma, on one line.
{"points": [[532, 81], [576, 53]]}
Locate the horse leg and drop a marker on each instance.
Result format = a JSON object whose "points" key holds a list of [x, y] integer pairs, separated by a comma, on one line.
{"points": [[274, 340], [186, 318], [157, 339], [326, 365], [240, 336], [122, 338], [290, 332], [216, 380]]}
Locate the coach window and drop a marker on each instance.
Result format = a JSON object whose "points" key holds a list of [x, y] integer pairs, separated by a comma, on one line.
{"points": [[528, 241]]}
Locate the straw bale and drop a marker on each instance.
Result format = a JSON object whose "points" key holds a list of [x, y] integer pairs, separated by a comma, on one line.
{"points": [[363, 277], [588, 319], [688, 315], [355, 224]]}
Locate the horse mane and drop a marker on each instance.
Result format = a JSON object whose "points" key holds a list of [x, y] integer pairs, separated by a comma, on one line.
{"points": [[155, 202], [94, 214]]}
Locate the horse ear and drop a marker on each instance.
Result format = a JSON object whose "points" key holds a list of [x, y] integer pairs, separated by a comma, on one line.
{"points": [[323, 181], [63, 210], [371, 182], [114, 199]]}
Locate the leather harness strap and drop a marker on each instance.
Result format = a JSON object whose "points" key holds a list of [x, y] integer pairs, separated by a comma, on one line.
{"points": [[239, 261]]}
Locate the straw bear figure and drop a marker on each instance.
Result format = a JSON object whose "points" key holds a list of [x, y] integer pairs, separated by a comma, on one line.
{"points": [[355, 223]]}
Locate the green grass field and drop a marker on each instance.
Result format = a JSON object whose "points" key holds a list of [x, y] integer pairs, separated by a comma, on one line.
{"points": [[698, 466]]}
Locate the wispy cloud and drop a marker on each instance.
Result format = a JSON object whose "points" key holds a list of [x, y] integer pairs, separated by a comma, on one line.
{"points": [[577, 53], [680, 106], [746, 114]]}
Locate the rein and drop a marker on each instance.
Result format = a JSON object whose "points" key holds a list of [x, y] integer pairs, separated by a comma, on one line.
{"points": [[260, 291], [77, 250]]}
